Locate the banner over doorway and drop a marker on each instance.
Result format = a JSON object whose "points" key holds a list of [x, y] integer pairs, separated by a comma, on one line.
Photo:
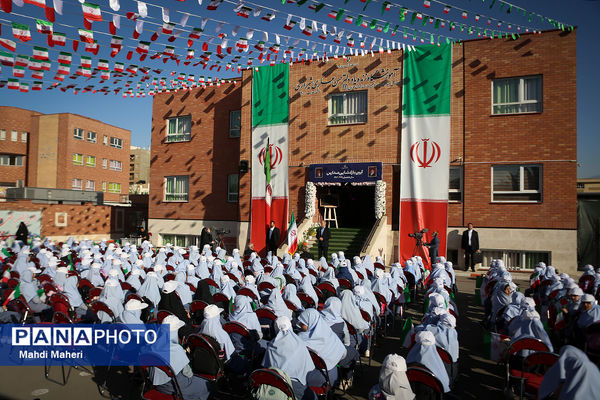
{"points": [[425, 157], [270, 116]]}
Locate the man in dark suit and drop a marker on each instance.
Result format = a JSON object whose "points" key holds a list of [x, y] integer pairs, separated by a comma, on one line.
{"points": [[434, 246], [273, 238], [323, 235], [470, 246]]}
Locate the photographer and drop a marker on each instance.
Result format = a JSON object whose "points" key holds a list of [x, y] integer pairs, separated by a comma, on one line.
{"points": [[433, 245]]}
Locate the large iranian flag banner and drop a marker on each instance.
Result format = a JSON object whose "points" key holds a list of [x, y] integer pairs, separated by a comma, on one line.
{"points": [[425, 157], [270, 118]]}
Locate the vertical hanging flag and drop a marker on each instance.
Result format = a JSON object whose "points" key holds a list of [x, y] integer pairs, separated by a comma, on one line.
{"points": [[292, 236], [91, 12], [425, 148], [270, 116]]}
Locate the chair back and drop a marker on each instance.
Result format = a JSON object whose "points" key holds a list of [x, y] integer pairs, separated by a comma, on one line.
{"points": [[98, 306], [266, 376], [419, 375], [247, 292]]}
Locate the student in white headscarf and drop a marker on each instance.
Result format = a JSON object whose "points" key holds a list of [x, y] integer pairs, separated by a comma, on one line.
{"points": [[425, 353], [393, 382]]}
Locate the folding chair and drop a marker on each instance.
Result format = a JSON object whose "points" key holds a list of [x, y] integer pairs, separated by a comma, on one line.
{"points": [[98, 306], [162, 314], [424, 383], [20, 305], [586, 283], [327, 290], [266, 376], [345, 283], [322, 367], [307, 301], [369, 335], [592, 341], [267, 319], [527, 343], [134, 296], [212, 283], [447, 359], [197, 311], [247, 292], [529, 376], [263, 286], [148, 390], [197, 340]]}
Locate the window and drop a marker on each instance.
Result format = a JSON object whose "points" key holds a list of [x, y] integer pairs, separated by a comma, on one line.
{"points": [[517, 95], [179, 129], [455, 184], [2, 134], [116, 143], [91, 137], [90, 161], [14, 136], [176, 188], [77, 159], [76, 184], [235, 123], [105, 140], [232, 188], [104, 163], [114, 187], [180, 240], [11, 160], [517, 183], [348, 108], [104, 186], [78, 133], [24, 137], [90, 185], [580, 185], [516, 259], [116, 165]]}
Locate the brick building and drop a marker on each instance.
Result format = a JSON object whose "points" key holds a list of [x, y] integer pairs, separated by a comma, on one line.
{"points": [[63, 151], [139, 170], [513, 149]]}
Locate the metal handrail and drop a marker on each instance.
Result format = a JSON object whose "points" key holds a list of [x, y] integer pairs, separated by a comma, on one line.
{"points": [[371, 234]]}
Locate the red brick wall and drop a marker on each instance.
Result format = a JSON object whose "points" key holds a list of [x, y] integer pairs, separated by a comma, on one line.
{"points": [[15, 119], [207, 158], [83, 220]]}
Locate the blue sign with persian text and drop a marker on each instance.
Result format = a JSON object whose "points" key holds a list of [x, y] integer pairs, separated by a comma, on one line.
{"points": [[345, 172]]}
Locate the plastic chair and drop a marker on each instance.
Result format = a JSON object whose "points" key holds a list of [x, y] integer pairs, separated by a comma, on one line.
{"points": [[247, 292], [265, 286], [379, 265], [326, 287], [126, 286], [527, 343], [44, 278], [322, 367], [148, 390], [267, 319], [133, 296], [20, 305], [60, 302], [422, 380], [98, 306], [95, 292], [266, 376], [212, 283], [162, 314], [198, 340], [307, 301], [529, 376], [345, 283]]}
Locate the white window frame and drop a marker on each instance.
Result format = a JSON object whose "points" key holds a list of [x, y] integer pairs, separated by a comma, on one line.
{"points": [[79, 156], [116, 165], [116, 142], [87, 161], [239, 129], [24, 137], [521, 185], [104, 187], [112, 187], [521, 100], [104, 163], [459, 190], [2, 134], [14, 136], [90, 185], [178, 136], [78, 133], [105, 140], [363, 115], [74, 183], [183, 197], [92, 137], [5, 160], [231, 196]]}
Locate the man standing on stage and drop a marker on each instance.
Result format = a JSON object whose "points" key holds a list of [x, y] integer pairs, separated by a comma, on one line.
{"points": [[273, 238], [323, 235], [470, 246]]}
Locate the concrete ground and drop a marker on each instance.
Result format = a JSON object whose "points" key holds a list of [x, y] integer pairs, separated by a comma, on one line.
{"points": [[478, 377]]}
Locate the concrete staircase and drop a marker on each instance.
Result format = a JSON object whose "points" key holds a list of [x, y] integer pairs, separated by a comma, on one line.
{"points": [[348, 240]]}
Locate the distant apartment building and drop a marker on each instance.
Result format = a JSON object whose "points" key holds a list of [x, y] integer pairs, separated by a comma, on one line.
{"points": [[139, 170], [63, 151]]}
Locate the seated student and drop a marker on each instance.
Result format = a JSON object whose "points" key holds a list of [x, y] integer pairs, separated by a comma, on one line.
{"points": [[170, 301], [245, 315], [112, 296], [528, 324], [425, 353], [573, 376], [590, 312], [511, 311], [192, 387], [133, 312], [393, 382], [289, 353], [319, 337], [446, 337], [29, 290], [332, 315], [276, 304]]}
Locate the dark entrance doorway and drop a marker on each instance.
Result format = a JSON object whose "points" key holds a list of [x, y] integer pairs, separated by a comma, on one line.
{"points": [[356, 204]]}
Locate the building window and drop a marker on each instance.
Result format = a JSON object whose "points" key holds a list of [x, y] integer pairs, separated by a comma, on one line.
{"points": [[24, 137], [91, 137], [104, 186], [116, 143], [90, 161], [517, 183], [116, 165], [78, 133], [176, 188], [14, 136], [105, 140], [580, 185], [517, 259], [90, 185], [76, 184], [455, 183], [77, 159], [517, 95], [235, 123], [114, 187], [104, 163], [180, 240], [2, 134], [232, 188], [348, 108], [179, 129], [11, 160]]}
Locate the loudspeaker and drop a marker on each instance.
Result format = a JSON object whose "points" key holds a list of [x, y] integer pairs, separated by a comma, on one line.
{"points": [[243, 166]]}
